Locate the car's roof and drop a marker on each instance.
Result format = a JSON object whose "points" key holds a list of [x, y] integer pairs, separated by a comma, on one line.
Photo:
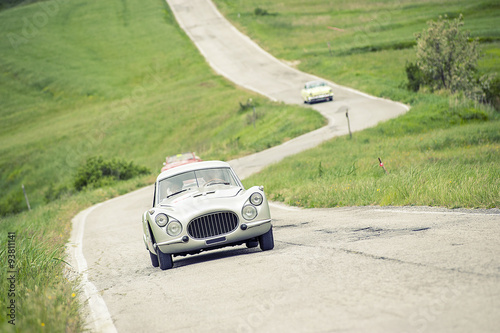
{"points": [[191, 167]]}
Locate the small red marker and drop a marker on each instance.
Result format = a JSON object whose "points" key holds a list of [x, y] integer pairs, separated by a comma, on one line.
{"points": [[382, 165]]}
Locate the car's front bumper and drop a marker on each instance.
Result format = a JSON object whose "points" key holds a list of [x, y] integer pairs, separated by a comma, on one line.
{"points": [[184, 244], [318, 97]]}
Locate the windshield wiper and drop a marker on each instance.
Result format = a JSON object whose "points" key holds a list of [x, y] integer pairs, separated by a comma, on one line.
{"points": [[171, 195], [217, 182]]}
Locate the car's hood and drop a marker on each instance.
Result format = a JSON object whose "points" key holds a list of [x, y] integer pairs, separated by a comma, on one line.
{"points": [[200, 195], [197, 202]]}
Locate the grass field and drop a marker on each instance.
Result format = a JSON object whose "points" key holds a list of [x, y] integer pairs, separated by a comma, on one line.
{"points": [[116, 79], [444, 152], [120, 79]]}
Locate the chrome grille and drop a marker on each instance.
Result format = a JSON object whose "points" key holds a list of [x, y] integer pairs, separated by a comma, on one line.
{"points": [[213, 224]]}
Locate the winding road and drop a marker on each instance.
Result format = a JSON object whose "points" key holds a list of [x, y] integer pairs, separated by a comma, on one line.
{"points": [[359, 269]]}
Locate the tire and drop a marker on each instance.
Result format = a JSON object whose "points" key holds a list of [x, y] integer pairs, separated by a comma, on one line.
{"points": [[165, 260], [252, 243], [266, 241], [154, 259]]}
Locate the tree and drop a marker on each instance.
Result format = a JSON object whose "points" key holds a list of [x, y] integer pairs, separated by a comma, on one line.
{"points": [[446, 59]]}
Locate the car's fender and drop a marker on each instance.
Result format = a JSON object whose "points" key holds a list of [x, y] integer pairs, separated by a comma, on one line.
{"points": [[148, 236]]}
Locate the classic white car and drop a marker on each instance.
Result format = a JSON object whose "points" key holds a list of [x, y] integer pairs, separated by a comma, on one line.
{"points": [[203, 206], [316, 91]]}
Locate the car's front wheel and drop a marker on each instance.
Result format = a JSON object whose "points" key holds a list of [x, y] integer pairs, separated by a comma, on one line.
{"points": [[266, 241], [165, 260], [252, 243], [154, 259]]}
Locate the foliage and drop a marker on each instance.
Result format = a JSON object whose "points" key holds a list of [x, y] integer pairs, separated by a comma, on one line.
{"points": [[260, 12], [12, 203], [9, 3], [415, 76], [447, 58], [98, 172], [44, 298], [492, 93]]}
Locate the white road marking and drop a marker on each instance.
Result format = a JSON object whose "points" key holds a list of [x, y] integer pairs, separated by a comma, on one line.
{"points": [[100, 316]]}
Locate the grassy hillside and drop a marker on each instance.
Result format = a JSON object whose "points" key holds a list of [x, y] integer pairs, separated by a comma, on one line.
{"points": [[117, 79], [444, 152]]}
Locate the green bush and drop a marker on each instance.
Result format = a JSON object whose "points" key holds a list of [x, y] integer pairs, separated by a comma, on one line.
{"points": [[12, 203], [492, 93], [5, 4], [98, 172], [415, 76], [260, 12]]}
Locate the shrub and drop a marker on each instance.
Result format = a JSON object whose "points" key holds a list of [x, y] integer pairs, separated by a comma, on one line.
{"points": [[492, 93], [260, 12], [12, 203], [98, 172], [447, 60], [415, 76]]}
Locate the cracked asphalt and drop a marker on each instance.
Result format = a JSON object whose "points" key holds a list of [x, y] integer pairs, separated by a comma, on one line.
{"points": [[355, 269]]}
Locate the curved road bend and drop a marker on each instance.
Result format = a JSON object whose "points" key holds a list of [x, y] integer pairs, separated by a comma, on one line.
{"points": [[235, 56], [365, 269]]}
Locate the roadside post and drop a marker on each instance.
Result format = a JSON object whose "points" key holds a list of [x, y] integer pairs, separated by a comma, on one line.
{"points": [[382, 165], [348, 123], [254, 113], [26, 197]]}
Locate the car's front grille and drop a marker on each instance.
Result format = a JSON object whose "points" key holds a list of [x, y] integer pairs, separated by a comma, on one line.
{"points": [[213, 224]]}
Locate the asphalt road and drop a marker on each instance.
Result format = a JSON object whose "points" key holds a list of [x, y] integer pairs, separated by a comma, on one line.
{"points": [[239, 59], [360, 269]]}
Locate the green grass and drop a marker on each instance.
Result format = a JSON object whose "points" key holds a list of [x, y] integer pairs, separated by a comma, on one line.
{"points": [[365, 45], [121, 80], [44, 297], [454, 167], [116, 79]]}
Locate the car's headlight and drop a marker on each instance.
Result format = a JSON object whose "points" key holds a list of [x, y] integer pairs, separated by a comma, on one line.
{"points": [[256, 199], [161, 219], [174, 228], [249, 212]]}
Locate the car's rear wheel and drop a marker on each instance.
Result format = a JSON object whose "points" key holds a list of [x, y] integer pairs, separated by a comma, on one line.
{"points": [[266, 241], [165, 260], [154, 259]]}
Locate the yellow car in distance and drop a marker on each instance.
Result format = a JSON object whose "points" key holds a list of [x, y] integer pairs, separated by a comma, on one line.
{"points": [[315, 91]]}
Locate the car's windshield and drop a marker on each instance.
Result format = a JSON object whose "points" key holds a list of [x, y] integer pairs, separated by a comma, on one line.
{"points": [[315, 84], [183, 182]]}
